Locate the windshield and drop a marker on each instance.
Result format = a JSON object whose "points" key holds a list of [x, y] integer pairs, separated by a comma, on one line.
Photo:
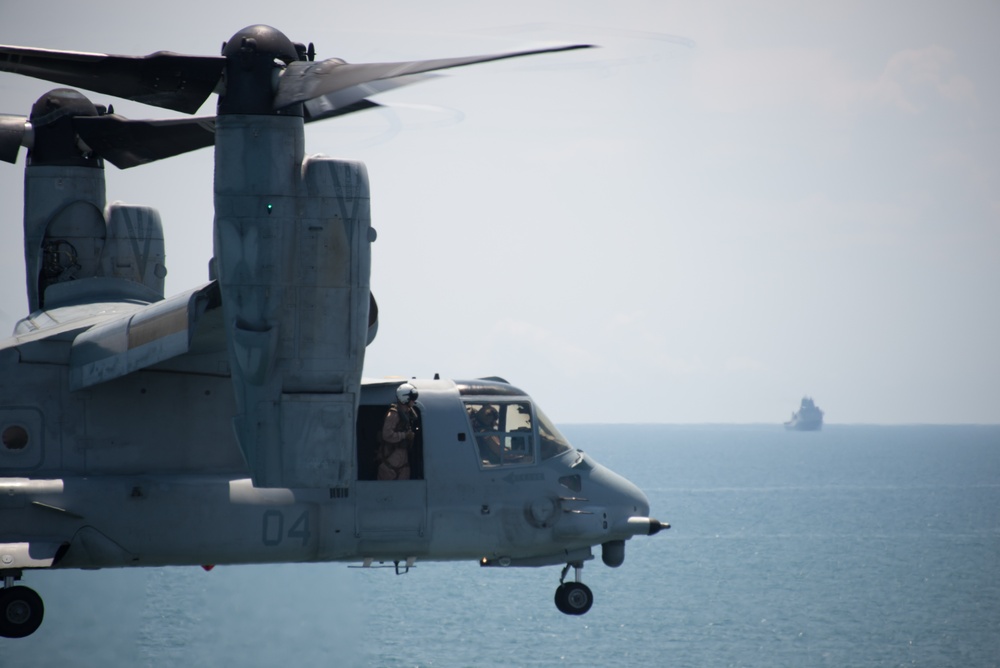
{"points": [[553, 443], [506, 426], [503, 431]]}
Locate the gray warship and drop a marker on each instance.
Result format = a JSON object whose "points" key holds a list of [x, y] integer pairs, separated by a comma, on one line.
{"points": [[809, 417]]}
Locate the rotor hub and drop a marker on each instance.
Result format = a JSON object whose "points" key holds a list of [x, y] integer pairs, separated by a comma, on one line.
{"points": [[56, 141], [59, 103], [255, 57], [261, 39]]}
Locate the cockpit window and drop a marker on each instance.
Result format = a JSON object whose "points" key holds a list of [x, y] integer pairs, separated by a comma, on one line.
{"points": [[503, 431], [553, 443]]}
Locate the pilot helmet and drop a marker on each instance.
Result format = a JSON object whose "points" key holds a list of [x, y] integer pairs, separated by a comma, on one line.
{"points": [[486, 416], [406, 392]]}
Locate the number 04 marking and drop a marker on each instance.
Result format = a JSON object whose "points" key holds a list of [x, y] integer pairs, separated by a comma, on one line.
{"points": [[273, 528]]}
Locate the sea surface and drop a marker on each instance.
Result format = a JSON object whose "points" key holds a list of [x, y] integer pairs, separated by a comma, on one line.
{"points": [[854, 546]]}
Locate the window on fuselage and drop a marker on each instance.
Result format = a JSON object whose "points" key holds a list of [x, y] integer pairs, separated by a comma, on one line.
{"points": [[504, 432], [553, 443]]}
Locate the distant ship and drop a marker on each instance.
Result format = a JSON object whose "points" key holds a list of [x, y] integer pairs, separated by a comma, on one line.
{"points": [[808, 418]]}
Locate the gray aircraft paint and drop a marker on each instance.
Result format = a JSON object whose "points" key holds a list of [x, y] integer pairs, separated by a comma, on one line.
{"points": [[230, 423]]}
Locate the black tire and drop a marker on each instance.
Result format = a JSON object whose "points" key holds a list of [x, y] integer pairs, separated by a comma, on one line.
{"points": [[21, 612], [561, 600], [574, 598]]}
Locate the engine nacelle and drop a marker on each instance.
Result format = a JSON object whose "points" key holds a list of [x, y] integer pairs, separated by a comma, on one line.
{"points": [[135, 246], [70, 239]]}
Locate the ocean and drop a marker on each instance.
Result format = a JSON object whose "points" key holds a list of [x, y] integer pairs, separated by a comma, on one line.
{"points": [[853, 546]]}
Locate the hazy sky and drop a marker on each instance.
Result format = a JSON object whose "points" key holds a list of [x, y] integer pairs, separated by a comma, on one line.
{"points": [[727, 206]]}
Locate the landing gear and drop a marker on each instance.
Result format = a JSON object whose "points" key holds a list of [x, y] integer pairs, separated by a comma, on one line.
{"points": [[573, 598], [21, 611]]}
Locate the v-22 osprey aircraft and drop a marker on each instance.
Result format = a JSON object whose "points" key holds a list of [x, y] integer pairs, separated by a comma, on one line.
{"points": [[231, 424]]}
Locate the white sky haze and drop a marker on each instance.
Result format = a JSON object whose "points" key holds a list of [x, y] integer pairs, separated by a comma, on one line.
{"points": [[725, 207]]}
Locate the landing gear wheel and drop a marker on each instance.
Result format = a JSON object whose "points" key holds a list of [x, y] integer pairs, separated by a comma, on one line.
{"points": [[574, 598], [21, 612]]}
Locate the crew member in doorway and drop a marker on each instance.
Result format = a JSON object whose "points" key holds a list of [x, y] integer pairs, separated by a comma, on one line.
{"points": [[399, 429]]}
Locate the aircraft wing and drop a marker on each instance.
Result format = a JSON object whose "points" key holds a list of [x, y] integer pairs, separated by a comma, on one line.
{"points": [[152, 334]]}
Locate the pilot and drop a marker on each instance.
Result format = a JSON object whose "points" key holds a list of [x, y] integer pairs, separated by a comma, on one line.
{"points": [[396, 438], [485, 419]]}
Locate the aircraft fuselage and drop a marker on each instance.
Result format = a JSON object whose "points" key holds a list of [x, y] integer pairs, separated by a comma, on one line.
{"points": [[144, 471]]}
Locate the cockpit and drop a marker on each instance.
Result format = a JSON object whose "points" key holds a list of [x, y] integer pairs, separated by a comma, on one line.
{"points": [[499, 426], [507, 428], [489, 475]]}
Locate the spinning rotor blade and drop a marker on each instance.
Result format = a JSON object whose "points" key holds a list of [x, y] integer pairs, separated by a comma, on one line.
{"points": [[129, 143], [303, 81], [126, 143], [352, 99], [183, 83], [15, 132], [66, 125], [249, 63], [319, 112], [161, 79]]}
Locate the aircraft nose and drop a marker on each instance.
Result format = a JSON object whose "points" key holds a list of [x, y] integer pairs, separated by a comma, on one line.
{"points": [[609, 510], [626, 506], [624, 509], [620, 493]]}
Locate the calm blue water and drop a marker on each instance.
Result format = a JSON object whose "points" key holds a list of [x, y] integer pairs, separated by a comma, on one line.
{"points": [[856, 546]]}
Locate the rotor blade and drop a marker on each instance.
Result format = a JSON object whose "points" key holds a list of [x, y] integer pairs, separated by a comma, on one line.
{"points": [[161, 79], [353, 99], [126, 143], [13, 132], [321, 113], [303, 81]]}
